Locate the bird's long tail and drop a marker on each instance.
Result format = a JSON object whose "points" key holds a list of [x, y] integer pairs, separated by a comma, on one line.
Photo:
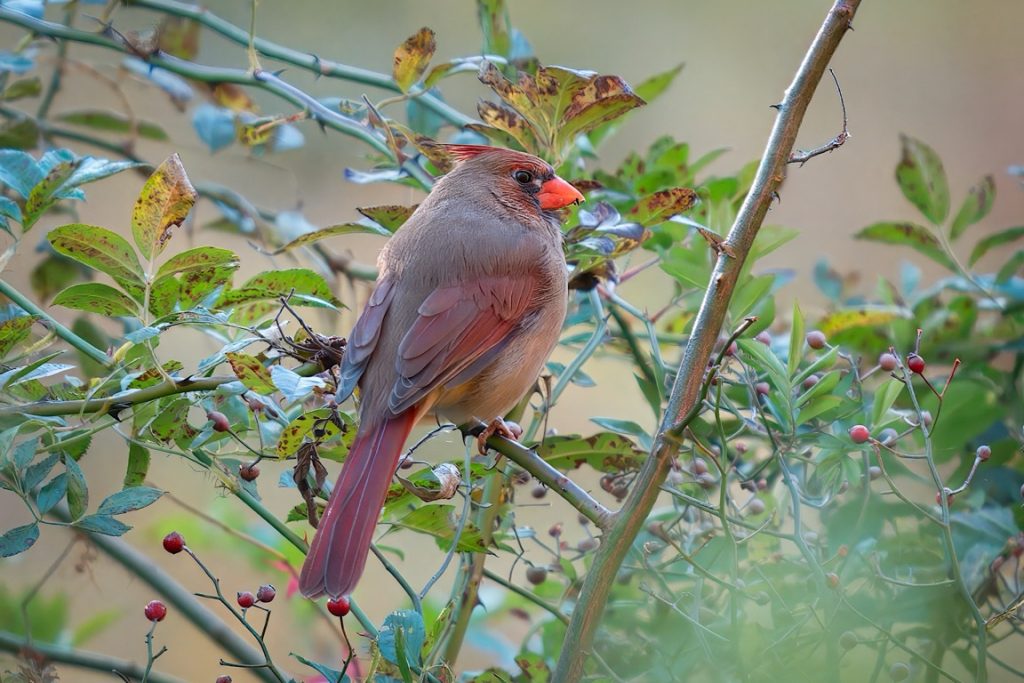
{"points": [[338, 553]]}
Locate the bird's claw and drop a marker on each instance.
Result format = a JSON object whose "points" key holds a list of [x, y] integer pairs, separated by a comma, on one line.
{"points": [[508, 430]]}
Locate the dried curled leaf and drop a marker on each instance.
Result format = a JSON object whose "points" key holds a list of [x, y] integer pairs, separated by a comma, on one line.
{"points": [[412, 58]]}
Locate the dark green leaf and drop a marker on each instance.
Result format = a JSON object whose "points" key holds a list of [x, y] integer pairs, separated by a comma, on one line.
{"points": [[103, 524], [19, 133], [13, 330], [23, 454], [23, 87], [164, 202], [52, 493], [18, 539], [995, 240], [102, 249], [1013, 266], [440, 522], [96, 298], [19, 171], [412, 58], [627, 427], [138, 465], [37, 472], [78, 490], [126, 500], [908, 234], [47, 192], [923, 179], [975, 207], [113, 122]]}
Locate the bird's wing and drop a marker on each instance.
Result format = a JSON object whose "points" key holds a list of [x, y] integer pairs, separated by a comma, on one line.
{"points": [[363, 338], [457, 328]]}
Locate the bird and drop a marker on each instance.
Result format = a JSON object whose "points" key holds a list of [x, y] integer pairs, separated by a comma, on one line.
{"points": [[469, 302]]}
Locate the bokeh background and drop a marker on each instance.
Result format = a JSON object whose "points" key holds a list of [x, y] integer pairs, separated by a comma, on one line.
{"points": [[945, 71]]}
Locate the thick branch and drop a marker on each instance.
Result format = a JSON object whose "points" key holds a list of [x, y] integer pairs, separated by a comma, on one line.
{"points": [[84, 659], [617, 541]]}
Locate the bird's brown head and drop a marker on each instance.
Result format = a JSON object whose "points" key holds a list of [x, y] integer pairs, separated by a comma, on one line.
{"points": [[522, 182]]}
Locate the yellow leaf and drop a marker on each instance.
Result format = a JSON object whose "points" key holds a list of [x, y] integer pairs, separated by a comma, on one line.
{"points": [[165, 201], [412, 58]]}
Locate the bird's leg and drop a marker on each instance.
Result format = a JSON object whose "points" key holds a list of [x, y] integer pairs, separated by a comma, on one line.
{"points": [[509, 430]]}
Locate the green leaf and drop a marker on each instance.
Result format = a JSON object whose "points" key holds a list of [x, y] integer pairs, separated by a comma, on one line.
{"points": [[923, 180], [138, 465], [37, 472], [305, 286], [750, 294], [440, 522], [164, 202], [103, 524], [19, 539], [295, 433], [912, 235], [78, 490], [23, 454], [1012, 267], [251, 372], [19, 171], [97, 298], [764, 360], [103, 250], [126, 500], [198, 259], [885, 397], [505, 118], [995, 240], [407, 625], [861, 317], [292, 385], [975, 207], [332, 231], [13, 330], [662, 205], [796, 340], [113, 122], [20, 133], [93, 626], [329, 674], [627, 427], [23, 87], [52, 493], [604, 451], [412, 58]]}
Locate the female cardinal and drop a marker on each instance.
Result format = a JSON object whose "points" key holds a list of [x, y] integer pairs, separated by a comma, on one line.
{"points": [[469, 303]]}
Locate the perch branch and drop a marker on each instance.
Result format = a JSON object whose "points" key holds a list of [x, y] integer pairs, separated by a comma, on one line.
{"points": [[685, 391]]}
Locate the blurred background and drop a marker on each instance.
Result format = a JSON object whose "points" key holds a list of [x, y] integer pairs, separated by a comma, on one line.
{"points": [[944, 71]]}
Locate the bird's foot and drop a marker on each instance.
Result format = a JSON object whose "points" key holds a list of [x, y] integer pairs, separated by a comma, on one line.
{"points": [[509, 430]]}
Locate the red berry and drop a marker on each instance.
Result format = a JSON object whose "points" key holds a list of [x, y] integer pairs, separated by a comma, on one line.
{"points": [[536, 575], [223, 679], [762, 388], [155, 611], [246, 599], [731, 349], [249, 472], [888, 362], [859, 433], [555, 531], [266, 593], [219, 420], [816, 339], [832, 579], [983, 453], [915, 363], [174, 543], [539, 491], [339, 607], [811, 381], [949, 498]]}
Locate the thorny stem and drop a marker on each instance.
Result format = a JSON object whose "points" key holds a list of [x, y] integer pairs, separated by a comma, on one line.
{"points": [[644, 493], [150, 655], [61, 331]]}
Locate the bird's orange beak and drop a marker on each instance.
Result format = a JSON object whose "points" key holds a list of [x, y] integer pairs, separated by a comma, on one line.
{"points": [[556, 194]]}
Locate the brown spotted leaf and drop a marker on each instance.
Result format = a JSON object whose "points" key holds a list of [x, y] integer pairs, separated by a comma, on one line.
{"points": [[506, 119], [412, 58], [849, 318], [915, 236], [96, 298], [975, 207], [179, 37], [605, 452], [198, 258], [165, 201], [13, 330], [923, 179], [251, 372], [331, 231], [102, 250], [662, 205], [389, 216]]}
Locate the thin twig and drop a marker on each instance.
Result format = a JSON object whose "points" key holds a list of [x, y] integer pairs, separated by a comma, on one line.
{"points": [[802, 157]]}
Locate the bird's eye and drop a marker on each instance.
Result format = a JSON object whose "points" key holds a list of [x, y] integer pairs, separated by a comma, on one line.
{"points": [[523, 177]]}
